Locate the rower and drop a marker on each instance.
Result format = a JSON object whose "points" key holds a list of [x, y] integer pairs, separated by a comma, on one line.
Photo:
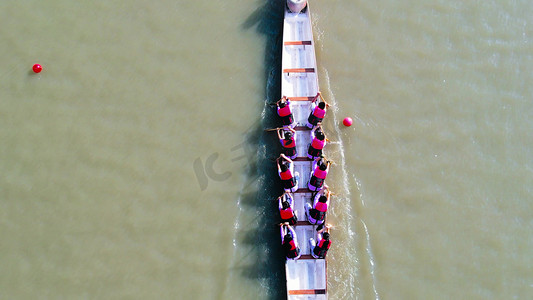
{"points": [[319, 173], [321, 246], [289, 178], [316, 214], [286, 209], [284, 112], [288, 241], [318, 142], [318, 111], [288, 141]]}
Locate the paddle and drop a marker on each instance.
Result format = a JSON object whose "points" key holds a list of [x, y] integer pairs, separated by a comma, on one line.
{"points": [[273, 129], [332, 162], [327, 104]]}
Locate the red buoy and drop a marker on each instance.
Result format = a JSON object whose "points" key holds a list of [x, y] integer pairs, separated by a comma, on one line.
{"points": [[347, 121], [37, 68]]}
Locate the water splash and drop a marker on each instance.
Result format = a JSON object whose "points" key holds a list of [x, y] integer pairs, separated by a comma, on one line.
{"points": [[347, 274], [371, 260], [342, 210]]}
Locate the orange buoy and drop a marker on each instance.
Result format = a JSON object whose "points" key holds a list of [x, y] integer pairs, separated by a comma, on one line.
{"points": [[37, 68], [347, 121]]}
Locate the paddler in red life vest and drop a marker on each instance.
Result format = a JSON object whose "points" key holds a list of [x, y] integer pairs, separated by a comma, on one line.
{"points": [[319, 173], [316, 214], [321, 246], [288, 141], [286, 209], [318, 111], [288, 241], [289, 178], [318, 142], [284, 112]]}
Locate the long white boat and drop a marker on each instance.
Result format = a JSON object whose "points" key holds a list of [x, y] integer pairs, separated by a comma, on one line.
{"points": [[306, 276]]}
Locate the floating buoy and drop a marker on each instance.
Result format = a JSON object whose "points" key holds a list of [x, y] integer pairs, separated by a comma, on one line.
{"points": [[37, 68], [347, 121]]}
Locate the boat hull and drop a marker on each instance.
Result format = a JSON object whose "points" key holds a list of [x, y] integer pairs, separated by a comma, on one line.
{"points": [[296, 6], [307, 276]]}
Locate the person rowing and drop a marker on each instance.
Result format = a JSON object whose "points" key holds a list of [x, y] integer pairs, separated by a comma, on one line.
{"points": [[287, 138], [318, 142], [316, 214], [284, 112], [289, 178], [321, 246], [288, 241], [318, 111], [319, 173], [286, 209]]}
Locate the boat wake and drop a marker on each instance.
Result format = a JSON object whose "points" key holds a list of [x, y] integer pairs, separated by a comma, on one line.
{"points": [[371, 261], [349, 261]]}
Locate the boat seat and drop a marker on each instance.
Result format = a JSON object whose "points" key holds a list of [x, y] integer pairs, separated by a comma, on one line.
{"points": [[297, 43], [307, 292], [301, 98], [302, 158], [299, 70]]}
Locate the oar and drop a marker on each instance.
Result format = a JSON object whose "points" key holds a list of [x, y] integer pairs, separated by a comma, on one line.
{"points": [[322, 226], [327, 104], [273, 129], [332, 162], [324, 99], [330, 141], [276, 199]]}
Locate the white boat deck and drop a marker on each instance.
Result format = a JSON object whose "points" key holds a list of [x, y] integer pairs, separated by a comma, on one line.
{"points": [[307, 276], [302, 282]]}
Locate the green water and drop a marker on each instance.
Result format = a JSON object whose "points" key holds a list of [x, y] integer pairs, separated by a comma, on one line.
{"points": [[133, 165]]}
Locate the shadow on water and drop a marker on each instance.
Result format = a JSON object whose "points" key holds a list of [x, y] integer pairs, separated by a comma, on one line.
{"points": [[263, 237]]}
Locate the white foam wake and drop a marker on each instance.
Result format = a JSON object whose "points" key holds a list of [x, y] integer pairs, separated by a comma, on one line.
{"points": [[346, 272]]}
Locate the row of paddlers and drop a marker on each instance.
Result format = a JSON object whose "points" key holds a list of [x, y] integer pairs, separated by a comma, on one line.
{"points": [[315, 212]]}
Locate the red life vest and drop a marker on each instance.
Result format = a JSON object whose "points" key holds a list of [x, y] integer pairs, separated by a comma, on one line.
{"points": [[318, 177], [320, 173], [291, 144], [285, 111], [322, 248], [287, 179], [319, 112], [321, 206], [319, 212], [315, 149], [289, 148], [292, 250], [286, 214], [318, 144], [285, 115], [286, 175], [317, 115]]}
